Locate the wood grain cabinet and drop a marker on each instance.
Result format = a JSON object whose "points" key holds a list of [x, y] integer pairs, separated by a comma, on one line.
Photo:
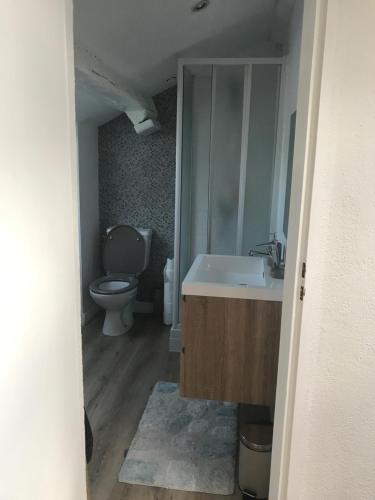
{"points": [[230, 349]]}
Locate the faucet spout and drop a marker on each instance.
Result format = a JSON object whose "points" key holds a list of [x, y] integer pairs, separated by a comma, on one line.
{"points": [[253, 253], [274, 250]]}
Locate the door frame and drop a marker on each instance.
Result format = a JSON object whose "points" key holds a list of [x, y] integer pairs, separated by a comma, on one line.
{"points": [[313, 38], [309, 86]]}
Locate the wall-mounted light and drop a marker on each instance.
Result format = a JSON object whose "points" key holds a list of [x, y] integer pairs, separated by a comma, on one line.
{"points": [[202, 4]]}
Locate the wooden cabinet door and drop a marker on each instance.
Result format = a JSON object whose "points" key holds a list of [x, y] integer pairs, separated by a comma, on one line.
{"points": [[230, 349]]}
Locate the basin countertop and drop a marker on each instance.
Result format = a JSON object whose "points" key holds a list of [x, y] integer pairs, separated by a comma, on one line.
{"points": [[232, 277]]}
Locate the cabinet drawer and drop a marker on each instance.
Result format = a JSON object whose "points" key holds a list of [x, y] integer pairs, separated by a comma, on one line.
{"points": [[230, 349]]}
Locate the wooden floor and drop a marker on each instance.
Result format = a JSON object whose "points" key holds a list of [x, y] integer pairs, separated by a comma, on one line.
{"points": [[119, 374]]}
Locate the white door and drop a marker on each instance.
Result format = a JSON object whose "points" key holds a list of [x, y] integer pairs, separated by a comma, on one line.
{"points": [[41, 419], [314, 19]]}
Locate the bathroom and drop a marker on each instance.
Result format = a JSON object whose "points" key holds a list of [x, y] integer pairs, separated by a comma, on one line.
{"points": [[135, 138]]}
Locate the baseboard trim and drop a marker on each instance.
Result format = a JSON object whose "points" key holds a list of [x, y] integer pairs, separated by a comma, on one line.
{"points": [[175, 339], [143, 307], [87, 316]]}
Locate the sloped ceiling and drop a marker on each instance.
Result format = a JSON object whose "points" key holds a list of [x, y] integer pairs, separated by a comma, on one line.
{"points": [[141, 40]]}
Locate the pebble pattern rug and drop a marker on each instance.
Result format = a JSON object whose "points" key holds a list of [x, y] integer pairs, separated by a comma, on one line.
{"points": [[183, 444]]}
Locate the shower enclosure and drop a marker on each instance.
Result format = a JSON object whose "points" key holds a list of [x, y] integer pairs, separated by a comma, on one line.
{"points": [[227, 120]]}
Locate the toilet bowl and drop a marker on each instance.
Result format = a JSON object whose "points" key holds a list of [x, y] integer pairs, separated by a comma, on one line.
{"points": [[116, 294], [126, 254]]}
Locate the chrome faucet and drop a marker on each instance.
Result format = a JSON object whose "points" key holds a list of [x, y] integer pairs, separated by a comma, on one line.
{"points": [[274, 250], [253, 253]]}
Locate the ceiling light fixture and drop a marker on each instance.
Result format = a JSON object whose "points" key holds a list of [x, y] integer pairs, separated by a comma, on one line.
{"points": [[202, 4]]}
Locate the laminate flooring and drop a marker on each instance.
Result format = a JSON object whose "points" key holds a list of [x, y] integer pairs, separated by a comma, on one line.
{"points": [[119, 374]]}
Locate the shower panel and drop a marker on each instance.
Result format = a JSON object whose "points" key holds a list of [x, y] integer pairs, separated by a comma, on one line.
{"points": [[226, 136], [225, 155]]}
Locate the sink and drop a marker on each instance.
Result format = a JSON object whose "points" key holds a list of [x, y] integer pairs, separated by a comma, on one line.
{"points": [[233, 277]]}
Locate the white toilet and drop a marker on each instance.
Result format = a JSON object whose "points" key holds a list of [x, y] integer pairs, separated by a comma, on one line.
{"points": [[126, 254]]}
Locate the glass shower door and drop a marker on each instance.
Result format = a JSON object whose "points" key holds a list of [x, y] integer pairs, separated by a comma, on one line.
{"points": [[186, 177], [260, 155], [228, 137], [225, 158]]}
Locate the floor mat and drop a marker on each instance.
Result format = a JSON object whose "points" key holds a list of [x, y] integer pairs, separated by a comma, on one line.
{"points": [[183, 444]]}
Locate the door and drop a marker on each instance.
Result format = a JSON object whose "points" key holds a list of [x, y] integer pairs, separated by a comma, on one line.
{"points": [[42, 419], [313, 36]]}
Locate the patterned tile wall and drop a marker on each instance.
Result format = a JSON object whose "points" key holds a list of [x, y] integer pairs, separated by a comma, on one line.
{"points": [[137, 183]]}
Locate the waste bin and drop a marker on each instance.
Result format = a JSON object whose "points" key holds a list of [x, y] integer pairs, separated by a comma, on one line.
{"points": [[254, 457]]}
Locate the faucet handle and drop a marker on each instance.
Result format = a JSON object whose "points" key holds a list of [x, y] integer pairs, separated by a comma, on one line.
{"points": [[268, 243], [274, 241]]}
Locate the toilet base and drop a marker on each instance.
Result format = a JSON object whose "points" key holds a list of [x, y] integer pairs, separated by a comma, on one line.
{"points": [[118, 322]]}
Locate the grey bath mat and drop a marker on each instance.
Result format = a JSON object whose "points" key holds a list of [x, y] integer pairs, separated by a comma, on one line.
{"points": [[183, 444]]}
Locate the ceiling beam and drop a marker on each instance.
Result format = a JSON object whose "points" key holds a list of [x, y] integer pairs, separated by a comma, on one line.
{"points": [[91, 73]]}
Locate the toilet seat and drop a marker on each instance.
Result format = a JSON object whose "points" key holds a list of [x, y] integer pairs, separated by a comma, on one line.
{"points": [[124, 251], [113, 284]]}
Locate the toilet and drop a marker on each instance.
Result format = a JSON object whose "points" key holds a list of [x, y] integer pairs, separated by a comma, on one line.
{"points": [[126, 254]]}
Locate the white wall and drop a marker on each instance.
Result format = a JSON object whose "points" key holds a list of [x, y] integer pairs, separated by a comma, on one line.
{"points": [[41, 418], [89, 213], [332, 452], [288, 104]]}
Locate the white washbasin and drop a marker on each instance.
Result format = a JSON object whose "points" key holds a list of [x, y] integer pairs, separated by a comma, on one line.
{"points": [[233, 277]]}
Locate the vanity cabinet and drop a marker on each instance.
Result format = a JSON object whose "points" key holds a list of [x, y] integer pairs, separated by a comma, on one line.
{"points": [[230, 349]]}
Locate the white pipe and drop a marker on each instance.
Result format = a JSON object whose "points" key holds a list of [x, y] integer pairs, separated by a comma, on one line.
{"points": [[168, 292]]}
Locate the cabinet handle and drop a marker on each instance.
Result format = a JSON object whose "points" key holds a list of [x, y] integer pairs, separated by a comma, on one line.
{"points": [[182, 350]]}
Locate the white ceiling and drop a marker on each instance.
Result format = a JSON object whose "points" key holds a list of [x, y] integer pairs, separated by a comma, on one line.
{"points": [[141, 40]]}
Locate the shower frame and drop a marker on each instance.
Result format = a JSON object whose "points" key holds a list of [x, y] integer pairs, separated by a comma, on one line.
{"points": [[214, 62]]}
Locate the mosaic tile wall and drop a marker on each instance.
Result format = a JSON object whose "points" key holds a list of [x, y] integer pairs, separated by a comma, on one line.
{"points": [[137, 183]]}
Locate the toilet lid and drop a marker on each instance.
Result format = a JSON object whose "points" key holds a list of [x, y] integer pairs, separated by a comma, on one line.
{"points": [[124, 251]]}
